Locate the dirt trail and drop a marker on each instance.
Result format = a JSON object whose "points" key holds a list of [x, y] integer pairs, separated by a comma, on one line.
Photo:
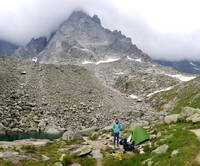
{"points": [[99, 163], [197, 132]]}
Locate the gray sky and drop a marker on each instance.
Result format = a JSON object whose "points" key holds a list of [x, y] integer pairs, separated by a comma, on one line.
{"points": [[164, 29]]}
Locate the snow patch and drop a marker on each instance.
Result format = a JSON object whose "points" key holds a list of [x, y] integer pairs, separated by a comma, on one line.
{"points": [[86, 62], [182, 77], [133, 96], [193, 64], [132, 59], [107, 61], [120, 73], [101, 61], [35, 59], [158, 91]]}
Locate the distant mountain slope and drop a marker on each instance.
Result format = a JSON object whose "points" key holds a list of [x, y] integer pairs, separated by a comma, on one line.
{"points": [[32, 49], [82, 37], [7, 48], [185, 66]]}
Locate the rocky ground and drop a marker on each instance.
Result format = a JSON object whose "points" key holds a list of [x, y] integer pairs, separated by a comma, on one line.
{"points": [[54, 98], [169, 142]]}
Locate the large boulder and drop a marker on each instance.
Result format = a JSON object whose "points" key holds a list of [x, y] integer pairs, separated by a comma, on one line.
{"points": [[189, 111], [161, 149], [73, 135], [14, 157], [194, 118], [191, 114], [52, 130], [82, 151], [172, 118], [96, 153], [2, 129], [87, 132]]}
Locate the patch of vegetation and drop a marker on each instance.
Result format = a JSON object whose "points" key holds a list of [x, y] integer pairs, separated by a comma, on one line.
{"points": [[139, 82], [77, 141], [176, 136], [84, 161], [183, 95], [94, 136], [50, 150], [29, 149]]}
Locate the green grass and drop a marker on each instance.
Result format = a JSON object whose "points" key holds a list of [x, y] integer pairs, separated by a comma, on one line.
{"points": [[133, 83], [187, 94], [84, 161], [182, 139]]}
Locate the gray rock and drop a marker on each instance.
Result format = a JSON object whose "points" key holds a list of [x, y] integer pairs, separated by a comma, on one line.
{"points": [[191, 114], [58, 164], [189, 111], [87, 131], [96, 154], [195, 118], [13, 156], [45, 158], [172, 118], [174, 153], [70, 135], [2, 129], [73, 135], [161, 149], [82, 151]]}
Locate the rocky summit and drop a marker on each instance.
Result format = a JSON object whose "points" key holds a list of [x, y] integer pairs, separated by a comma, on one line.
{"points": [[32, 49], [82, 38]]}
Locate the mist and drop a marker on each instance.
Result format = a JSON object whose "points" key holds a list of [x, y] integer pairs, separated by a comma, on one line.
{"points": [[25, 19]]}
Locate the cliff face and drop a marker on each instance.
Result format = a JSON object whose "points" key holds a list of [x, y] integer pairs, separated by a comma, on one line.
{"points": [[32, 49], [82, 37]]}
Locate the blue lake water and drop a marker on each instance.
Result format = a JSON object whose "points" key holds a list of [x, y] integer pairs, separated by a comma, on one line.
{"points": [[18, 136]]}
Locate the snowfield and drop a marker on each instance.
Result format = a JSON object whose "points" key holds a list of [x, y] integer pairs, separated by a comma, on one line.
{"points": [[133, 96], [101, 61], [137, 60], [86, 62], [107, 61], [120, 73], [35, 59], [162, 90], [182, 77]]}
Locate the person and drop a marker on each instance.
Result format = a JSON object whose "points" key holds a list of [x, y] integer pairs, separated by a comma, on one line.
{"points": [[116, 129]]}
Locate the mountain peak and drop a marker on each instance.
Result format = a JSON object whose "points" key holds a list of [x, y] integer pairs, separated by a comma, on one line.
{"points": [[78, 14], [96, 19]]}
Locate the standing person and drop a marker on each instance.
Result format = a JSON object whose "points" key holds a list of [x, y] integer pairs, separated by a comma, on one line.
{"points": [[116, 130]]}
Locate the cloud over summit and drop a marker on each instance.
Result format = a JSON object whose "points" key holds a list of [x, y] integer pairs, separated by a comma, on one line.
{"points": [[23, 19]]}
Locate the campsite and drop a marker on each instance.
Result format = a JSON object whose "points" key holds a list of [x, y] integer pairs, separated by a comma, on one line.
{"points": [[154, 144]]}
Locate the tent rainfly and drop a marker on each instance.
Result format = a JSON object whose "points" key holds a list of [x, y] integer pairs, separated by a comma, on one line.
{"points": [[137, 134]]}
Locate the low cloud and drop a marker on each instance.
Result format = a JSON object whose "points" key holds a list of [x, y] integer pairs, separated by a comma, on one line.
{"points": [[36, 18]]}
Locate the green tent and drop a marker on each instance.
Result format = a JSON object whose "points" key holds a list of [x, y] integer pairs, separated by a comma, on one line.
{"points": [[137, 134]]}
